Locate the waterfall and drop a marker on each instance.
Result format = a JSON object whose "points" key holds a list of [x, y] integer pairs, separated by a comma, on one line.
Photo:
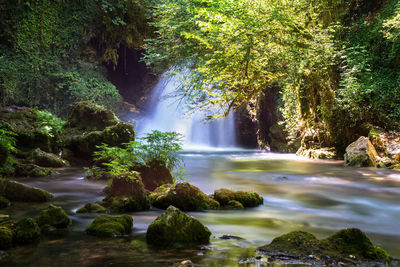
{"points": [[166, 113]]}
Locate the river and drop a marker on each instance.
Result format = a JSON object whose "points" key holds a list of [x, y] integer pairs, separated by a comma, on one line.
{"points": [[299, 194]]}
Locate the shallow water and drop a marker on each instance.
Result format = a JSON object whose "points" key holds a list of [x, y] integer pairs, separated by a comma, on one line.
{"points": [[299, 194]]}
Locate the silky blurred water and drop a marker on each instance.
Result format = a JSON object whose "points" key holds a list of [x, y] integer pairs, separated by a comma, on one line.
{"points": [[299, 194]]}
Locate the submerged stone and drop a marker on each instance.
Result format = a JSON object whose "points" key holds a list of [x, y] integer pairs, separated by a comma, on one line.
{"points": [[16, 191], [234, 205], [110, 226], [92, 208], [175, 228], [26, 231], [53, 216], [347, 245], [183, 196], [247, 199]]}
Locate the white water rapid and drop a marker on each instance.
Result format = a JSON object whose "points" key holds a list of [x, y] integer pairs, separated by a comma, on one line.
{"points": [[167, 113]]}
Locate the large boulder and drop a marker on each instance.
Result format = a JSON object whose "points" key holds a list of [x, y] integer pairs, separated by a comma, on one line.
{"points": [[127, 193], [15, 191], [347, 245], [154, 175], [45, 159], [361, 153], [83, 144], [29, 128], [86, 115], [175, 228], [184, 196], [247, 199], [6, 237], [110, 226], [53, 216], [31, 170]]}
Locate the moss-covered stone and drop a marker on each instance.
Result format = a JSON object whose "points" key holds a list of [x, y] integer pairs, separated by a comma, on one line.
{"points": [[247, 199], [127, 193], [15, 191], [154, 175], [26, 231], [53, 216], [31, 170], [233, 205], [86, 115], [347, 245], [110, 226], [45, 159], [6, 237], [184, 196], [175, 228], [4, 202], [83, 144], [92, 208]]}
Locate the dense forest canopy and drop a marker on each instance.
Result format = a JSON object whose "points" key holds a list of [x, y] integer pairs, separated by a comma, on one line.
{"points": [[336, 62]]}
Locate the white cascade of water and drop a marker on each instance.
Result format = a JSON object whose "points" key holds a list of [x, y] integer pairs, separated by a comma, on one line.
{"points": [[168, 114]]}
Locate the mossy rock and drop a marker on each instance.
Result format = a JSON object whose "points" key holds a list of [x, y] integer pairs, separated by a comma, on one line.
{"points": [[4, 202], [6, 237], [92, 208], [23, 121], [45, 159], [15, 191], [27, 231], [86, 115], [127, 193], [347, 245], [53, 216], [31, 170], [110, 226], [247, 199], [234, 205], [183, 196], [361, 153], [353, 241], [154, 175], [83, 144], [175, 228]]}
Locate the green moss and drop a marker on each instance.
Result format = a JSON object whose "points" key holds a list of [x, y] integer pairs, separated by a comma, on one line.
{"points": [[354, 242], [184, 196], [15, 191], [109, 226], [234, 205], [155, 174], [26, 231], [86, 115], [127, 203], [4, 202], [6, 237], [247, 199], [53, 216], [347, 244], [175, 228], [31, 170], [91, 208]]}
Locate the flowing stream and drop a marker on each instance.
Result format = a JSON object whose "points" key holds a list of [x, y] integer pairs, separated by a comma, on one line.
{"points": [[299, 194]]}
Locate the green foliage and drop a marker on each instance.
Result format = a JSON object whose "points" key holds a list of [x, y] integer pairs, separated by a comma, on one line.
{"points": [[158, 147], [7, 140], [48, 123], [370, 75]]}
